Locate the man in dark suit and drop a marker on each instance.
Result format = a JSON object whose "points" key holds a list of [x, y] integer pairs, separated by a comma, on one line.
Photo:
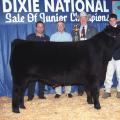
{"points": [[85, 32], [37, 36]]}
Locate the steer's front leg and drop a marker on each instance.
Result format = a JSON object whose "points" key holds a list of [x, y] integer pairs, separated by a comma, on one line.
{"points": [[95, 95]]}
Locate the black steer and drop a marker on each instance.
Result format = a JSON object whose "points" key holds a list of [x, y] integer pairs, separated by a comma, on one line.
{"points": [[64, 63]]}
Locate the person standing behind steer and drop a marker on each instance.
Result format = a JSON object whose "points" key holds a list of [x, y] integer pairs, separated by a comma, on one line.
{"points": [[113, 65], [61, 36], [85, 32], [38, 36]]}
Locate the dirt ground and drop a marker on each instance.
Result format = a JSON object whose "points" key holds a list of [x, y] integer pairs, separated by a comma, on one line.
{"points": [[64, 108]]}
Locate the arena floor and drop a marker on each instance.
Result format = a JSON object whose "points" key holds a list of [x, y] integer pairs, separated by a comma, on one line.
{"points": [[64, 108]]}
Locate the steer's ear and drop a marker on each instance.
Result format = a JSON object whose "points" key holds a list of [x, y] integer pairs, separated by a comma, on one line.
{"points": [[107, 56], [108, 50]]}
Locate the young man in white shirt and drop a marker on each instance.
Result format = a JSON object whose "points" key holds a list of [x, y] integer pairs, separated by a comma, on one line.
{"points": [[113, 65]]}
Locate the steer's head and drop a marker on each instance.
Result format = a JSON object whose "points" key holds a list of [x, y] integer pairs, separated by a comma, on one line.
{"points": [[110, 41], [114, 35], [113, 32]]}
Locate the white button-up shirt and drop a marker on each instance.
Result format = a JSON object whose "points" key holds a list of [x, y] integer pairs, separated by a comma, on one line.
{"points": [[61, 37]]}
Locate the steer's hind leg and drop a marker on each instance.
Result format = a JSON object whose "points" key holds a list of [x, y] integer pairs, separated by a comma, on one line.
{"points": [[95, 94], [22, 98], [15, 98], [22, 91]]}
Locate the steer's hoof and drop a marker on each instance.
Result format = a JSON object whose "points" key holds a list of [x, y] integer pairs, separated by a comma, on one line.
{"points": [[22, 106], [90, 101], [97, 106], [16, 110]]}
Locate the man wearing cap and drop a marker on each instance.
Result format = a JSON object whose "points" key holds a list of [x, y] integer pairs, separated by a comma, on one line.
{"points": [[85, 32], [61, 36], [113, 65]]}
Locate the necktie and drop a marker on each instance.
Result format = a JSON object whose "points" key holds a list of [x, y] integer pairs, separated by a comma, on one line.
{"points": [[83, 32]]}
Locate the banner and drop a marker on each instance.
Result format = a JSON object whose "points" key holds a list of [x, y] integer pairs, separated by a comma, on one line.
{"points": [[116, 8], [22, 11]]}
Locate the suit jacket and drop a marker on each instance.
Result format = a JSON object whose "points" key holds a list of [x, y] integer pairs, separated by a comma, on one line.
{"points": [[91, 31]]}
